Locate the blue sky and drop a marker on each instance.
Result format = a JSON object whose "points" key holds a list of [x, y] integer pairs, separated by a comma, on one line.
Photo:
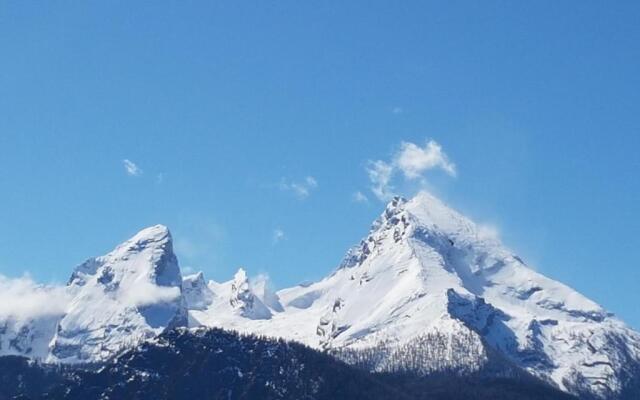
{"points": [[252, 127]]}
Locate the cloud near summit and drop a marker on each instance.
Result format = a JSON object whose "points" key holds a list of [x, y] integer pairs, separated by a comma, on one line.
{"points": [[412, 161]]}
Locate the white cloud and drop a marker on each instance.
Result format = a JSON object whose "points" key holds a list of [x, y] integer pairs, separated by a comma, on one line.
{"points": [[359, 197], [147, 293], [259, 282], [131, 168], [311, 182], [277, 236], [301, 189], [380, 174], [187, 270], [23, 299], [397, 110], [160, 178], [488, 232], [412, 161]]}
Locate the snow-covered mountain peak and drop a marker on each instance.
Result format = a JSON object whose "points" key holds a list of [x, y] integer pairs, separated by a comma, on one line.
{"points": [[262, 289], [154, 242], [421, 216], [240, 278], [426, 212], [391, 227], [394, 207], [195, 280], [431, 212], [427, 280], [139, 255], [425, 290], [196, 292], [152, 234], [132, 293], [244, 300], [232, 303]]}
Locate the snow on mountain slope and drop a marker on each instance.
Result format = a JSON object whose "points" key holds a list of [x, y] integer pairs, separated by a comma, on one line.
{"points": [[27, 336], [426, 290], [196, 293], [233, 302], [119, 299], [111, 302], [29, 314], [427, 276]]}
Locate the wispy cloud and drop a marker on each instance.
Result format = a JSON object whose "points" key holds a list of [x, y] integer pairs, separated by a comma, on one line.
{"points": [[199, 242], [23, 299], [277, 236], [380, 174], [397, 110], [131, 168], [412, 161], [301, 189], [187, 270], [488, 232], [359, 197], [147, 293]]}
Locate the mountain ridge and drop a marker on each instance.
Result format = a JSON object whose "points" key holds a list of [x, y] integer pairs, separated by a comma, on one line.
{"points": [[425, 270], [426, 290]]}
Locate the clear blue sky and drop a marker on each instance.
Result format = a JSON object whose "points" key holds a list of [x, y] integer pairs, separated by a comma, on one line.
{"points": [[226, 107]]}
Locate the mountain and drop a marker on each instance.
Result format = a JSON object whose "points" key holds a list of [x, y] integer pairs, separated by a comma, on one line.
{"points": [[116, 301], [214, 364], [428, 290], [426, 293], [27, 335]]}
